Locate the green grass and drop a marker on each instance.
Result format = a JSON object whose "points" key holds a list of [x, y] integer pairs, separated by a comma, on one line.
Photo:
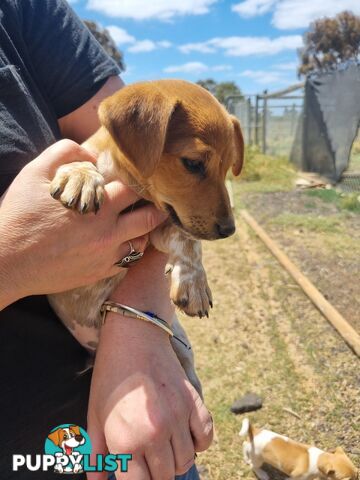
{"points": [[264, 173], [341, 200], [308, 222]]}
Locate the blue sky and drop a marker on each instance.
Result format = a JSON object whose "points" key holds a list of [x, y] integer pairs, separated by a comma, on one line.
{"points": [[250, 42]]}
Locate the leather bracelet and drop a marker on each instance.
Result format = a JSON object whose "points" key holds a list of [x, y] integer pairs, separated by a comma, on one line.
{"points": [[131, 312]]}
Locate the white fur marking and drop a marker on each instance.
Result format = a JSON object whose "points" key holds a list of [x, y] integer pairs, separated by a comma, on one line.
{"points": [[314, 454]]}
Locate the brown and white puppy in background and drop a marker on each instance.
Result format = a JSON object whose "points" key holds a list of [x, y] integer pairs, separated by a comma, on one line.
{"points": [[173, 143], [296, 460]]}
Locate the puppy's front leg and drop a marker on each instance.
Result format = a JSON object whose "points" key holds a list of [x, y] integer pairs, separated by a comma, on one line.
{"points": [[189, 288], [78, 185]]}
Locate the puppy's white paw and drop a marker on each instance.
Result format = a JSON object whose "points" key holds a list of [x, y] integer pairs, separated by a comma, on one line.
{"points": [[190, 290], [79, 186]]}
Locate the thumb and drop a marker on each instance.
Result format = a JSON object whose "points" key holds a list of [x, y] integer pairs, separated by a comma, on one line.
{"points": [[139, 223], [201, 424], [98, 447]]}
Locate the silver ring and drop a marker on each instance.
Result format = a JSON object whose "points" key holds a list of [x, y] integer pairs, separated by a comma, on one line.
{"points": [[132, 257]]}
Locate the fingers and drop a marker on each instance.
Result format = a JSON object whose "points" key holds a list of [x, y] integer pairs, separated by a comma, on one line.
{"points": [[64, 151], [140, 222], [201, 424], [98, 447], [184, 452], [138, 470], [138, 244], [160, 461], [119, 196]]}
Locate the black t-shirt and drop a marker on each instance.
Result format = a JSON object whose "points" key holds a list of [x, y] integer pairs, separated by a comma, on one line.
{"points": [[50, 65]]}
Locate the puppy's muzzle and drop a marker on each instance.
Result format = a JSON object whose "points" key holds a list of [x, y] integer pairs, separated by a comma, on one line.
{"points": [[225, 228]]}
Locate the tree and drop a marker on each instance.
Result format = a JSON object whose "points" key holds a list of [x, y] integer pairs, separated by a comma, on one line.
{"points": [[208, 84], [104, 38], [220, 90], [330, 42]]}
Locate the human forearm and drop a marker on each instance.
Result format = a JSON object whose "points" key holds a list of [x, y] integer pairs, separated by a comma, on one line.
{"points": [[8, 290], [146, 287], [10, 263], [139, 387]]}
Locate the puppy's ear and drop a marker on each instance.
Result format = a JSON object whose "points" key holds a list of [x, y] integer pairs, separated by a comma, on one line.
{"points": [[55, 436], [75, 429], [239, 146], [340, 451], [325, 464], [137, 119]]}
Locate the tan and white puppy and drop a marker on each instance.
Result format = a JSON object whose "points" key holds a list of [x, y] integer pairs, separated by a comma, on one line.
{"points": [[296, 460], [172, 142], [67, 439]]}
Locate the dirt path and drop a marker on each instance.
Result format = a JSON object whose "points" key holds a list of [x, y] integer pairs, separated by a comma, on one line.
{"points": [[265, 336]]}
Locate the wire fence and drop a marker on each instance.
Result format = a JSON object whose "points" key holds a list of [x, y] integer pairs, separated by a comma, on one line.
{"points": [[272, 121], [269, 120]]}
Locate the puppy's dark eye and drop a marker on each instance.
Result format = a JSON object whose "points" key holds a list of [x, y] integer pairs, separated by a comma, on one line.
{"points": [[193, 166]]}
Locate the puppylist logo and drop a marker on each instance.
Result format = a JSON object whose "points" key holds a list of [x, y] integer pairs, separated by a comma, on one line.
{"points": [[67, 451]]}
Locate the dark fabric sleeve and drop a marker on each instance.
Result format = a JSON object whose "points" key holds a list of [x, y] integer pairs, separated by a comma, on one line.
{"points": [[68, 62]]}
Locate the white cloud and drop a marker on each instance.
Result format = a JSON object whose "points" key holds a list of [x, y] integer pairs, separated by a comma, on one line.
{"points": [[290, 14], [264, 77], [164, 44], [142, 46], [122, 37], [244, 46], [145, 9], [119, 35], [202, 47], [196, 67], [190, 67], [297, 13], [251, 8]]}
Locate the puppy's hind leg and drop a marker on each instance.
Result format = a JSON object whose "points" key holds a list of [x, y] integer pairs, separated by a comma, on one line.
{"points": [[246, 452]]}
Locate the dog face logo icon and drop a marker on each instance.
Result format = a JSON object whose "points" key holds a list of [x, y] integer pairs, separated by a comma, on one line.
{"points": [[68, 443]]}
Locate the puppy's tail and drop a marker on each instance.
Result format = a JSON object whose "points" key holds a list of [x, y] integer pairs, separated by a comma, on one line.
{"points": [[247, 429]]}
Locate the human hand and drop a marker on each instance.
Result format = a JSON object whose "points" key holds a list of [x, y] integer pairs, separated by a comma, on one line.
{"points": [[45, 248], [142, 403]]}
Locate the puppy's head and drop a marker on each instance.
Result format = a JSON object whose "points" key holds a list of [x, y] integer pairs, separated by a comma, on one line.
{"points": [[337, 466], [70, 436], [179, 142]]}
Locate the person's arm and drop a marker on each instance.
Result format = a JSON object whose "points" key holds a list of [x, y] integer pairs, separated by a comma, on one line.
{"points": [[80, 124], [174, 421]]}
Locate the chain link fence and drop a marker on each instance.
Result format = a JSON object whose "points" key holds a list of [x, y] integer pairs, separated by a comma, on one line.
{"points": [[271, 122]]}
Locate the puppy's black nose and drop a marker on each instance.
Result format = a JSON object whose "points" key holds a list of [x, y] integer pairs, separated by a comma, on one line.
{"points": [[225, 229], [78, 438]]}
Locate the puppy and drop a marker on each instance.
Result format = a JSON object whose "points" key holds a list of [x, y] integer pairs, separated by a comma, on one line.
{"points": [[296, 460], [67, 439], [173, 143]]}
